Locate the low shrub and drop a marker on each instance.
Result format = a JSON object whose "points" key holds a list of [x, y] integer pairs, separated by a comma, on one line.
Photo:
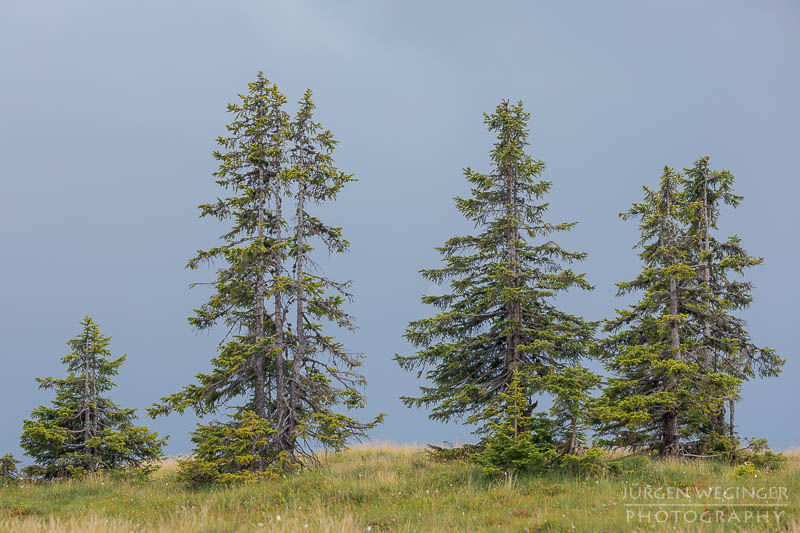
{"points": [[234, 452], [8, 468], [758, 455]]}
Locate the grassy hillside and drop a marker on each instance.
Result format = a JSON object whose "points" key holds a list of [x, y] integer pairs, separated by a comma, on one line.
{"points": [[398, 488]]}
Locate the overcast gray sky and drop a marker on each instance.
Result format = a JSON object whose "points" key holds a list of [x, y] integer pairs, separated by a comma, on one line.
{"points": [[109, 115]]}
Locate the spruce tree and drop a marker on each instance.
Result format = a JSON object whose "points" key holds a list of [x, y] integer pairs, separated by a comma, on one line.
{"points": [[289, 395], [724, 342], [83, 430], [517, 441], [252, 283], [499, 318], [323, 374], [571, 390], [659, 393]]}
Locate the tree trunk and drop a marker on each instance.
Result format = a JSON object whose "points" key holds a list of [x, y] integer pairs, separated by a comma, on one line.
{"points": [[280, 374], [710, 363], [259, 394], [87, 395], [706, 274], [670, 444], [513, 308], [95, 415], [731, 426], [573, 438], [300, 353]]}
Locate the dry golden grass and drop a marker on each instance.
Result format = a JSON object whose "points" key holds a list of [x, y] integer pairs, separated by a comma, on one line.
{"points": [[792, 452], [201, 519]]}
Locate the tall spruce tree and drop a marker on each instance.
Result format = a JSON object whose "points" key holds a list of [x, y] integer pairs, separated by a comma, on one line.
{"points": [[252, 285], [659, 393], [83, 430], [263, 160], [724, 342], [323, 374], [499, 319]]}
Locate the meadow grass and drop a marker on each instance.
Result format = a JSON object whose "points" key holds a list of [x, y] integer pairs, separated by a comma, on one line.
{"points": [[385, 487]]}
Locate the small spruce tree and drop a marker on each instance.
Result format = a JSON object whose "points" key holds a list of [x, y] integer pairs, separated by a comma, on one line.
{"points": [[571, 391], [231, 452], [83, 430], [8, 468], [516, 441]]}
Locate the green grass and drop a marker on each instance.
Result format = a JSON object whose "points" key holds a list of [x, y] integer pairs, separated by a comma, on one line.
{"points": [[383, 488]]}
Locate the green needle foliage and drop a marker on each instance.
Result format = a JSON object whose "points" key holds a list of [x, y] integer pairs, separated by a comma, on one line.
{"points": [[498, 318], [292, 378], [82, 430]]}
